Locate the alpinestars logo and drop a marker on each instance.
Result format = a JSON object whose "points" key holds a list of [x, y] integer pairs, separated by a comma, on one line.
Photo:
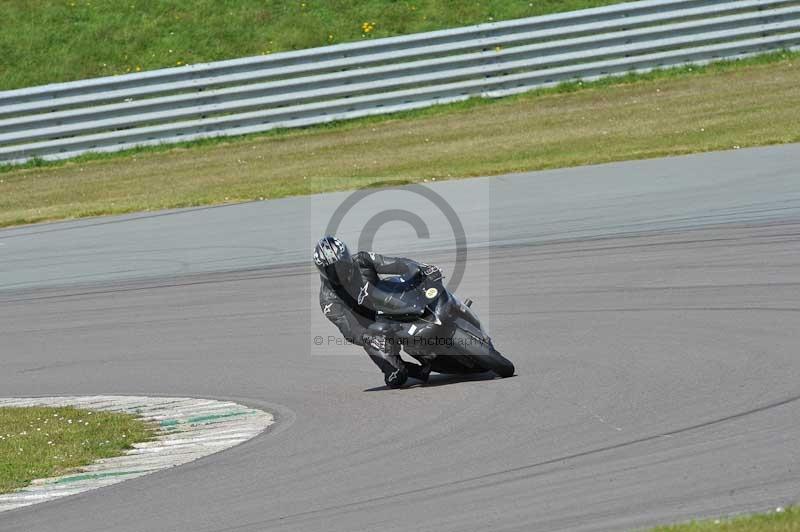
{"points": [[327, 308], [362, 293]]}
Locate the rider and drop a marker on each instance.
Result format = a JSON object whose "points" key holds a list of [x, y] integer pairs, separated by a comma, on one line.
{"points": [[347, 282]]}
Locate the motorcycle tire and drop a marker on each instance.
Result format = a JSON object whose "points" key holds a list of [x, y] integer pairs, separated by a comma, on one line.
{"points": [[485, 355]]}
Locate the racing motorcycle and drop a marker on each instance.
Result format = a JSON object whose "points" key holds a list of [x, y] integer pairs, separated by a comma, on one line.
{"points": [[430, 322]]}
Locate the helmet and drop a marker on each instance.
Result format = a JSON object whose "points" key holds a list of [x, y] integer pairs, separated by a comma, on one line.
{"points": [[333, 259]]}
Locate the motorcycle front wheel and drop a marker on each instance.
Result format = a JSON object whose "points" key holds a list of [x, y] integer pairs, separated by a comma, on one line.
{"points": [[483, 353]]}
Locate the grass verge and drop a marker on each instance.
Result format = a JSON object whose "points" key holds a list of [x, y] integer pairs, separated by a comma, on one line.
{"points": [[44, 42], [42, 442], [785, 520], [694, 109]]}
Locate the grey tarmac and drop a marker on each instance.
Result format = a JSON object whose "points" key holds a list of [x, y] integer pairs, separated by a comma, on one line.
{"points": [[650, 307]]}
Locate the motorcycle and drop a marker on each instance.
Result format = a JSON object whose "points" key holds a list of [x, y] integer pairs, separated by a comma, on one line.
{"points": [[430, 322]]}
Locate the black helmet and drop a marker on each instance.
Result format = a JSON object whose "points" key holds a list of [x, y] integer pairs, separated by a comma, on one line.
{"points": [[333, 260]]}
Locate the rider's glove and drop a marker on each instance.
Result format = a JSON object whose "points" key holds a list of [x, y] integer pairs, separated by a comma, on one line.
{"points": [[431, 272]]}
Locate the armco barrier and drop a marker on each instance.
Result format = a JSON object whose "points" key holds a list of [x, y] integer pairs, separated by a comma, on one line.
{"points": [[384, 75]]}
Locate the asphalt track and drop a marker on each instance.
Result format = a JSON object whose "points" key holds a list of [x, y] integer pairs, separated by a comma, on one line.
{"points": [[651, 309]]}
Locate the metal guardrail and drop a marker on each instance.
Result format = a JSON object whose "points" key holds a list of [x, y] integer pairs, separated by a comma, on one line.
{"points": [[379, 76]]}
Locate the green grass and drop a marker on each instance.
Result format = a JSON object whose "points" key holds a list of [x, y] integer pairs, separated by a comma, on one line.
{"points": [[660, 74], [42, 442], [723, 106], [787, 520], [44, 41]]}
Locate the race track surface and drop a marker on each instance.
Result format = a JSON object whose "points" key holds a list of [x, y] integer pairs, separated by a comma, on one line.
{"points": [[651, 309]]}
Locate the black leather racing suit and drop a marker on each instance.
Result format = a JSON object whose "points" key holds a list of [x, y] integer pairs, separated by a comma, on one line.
{"points": [[356, 327]]}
